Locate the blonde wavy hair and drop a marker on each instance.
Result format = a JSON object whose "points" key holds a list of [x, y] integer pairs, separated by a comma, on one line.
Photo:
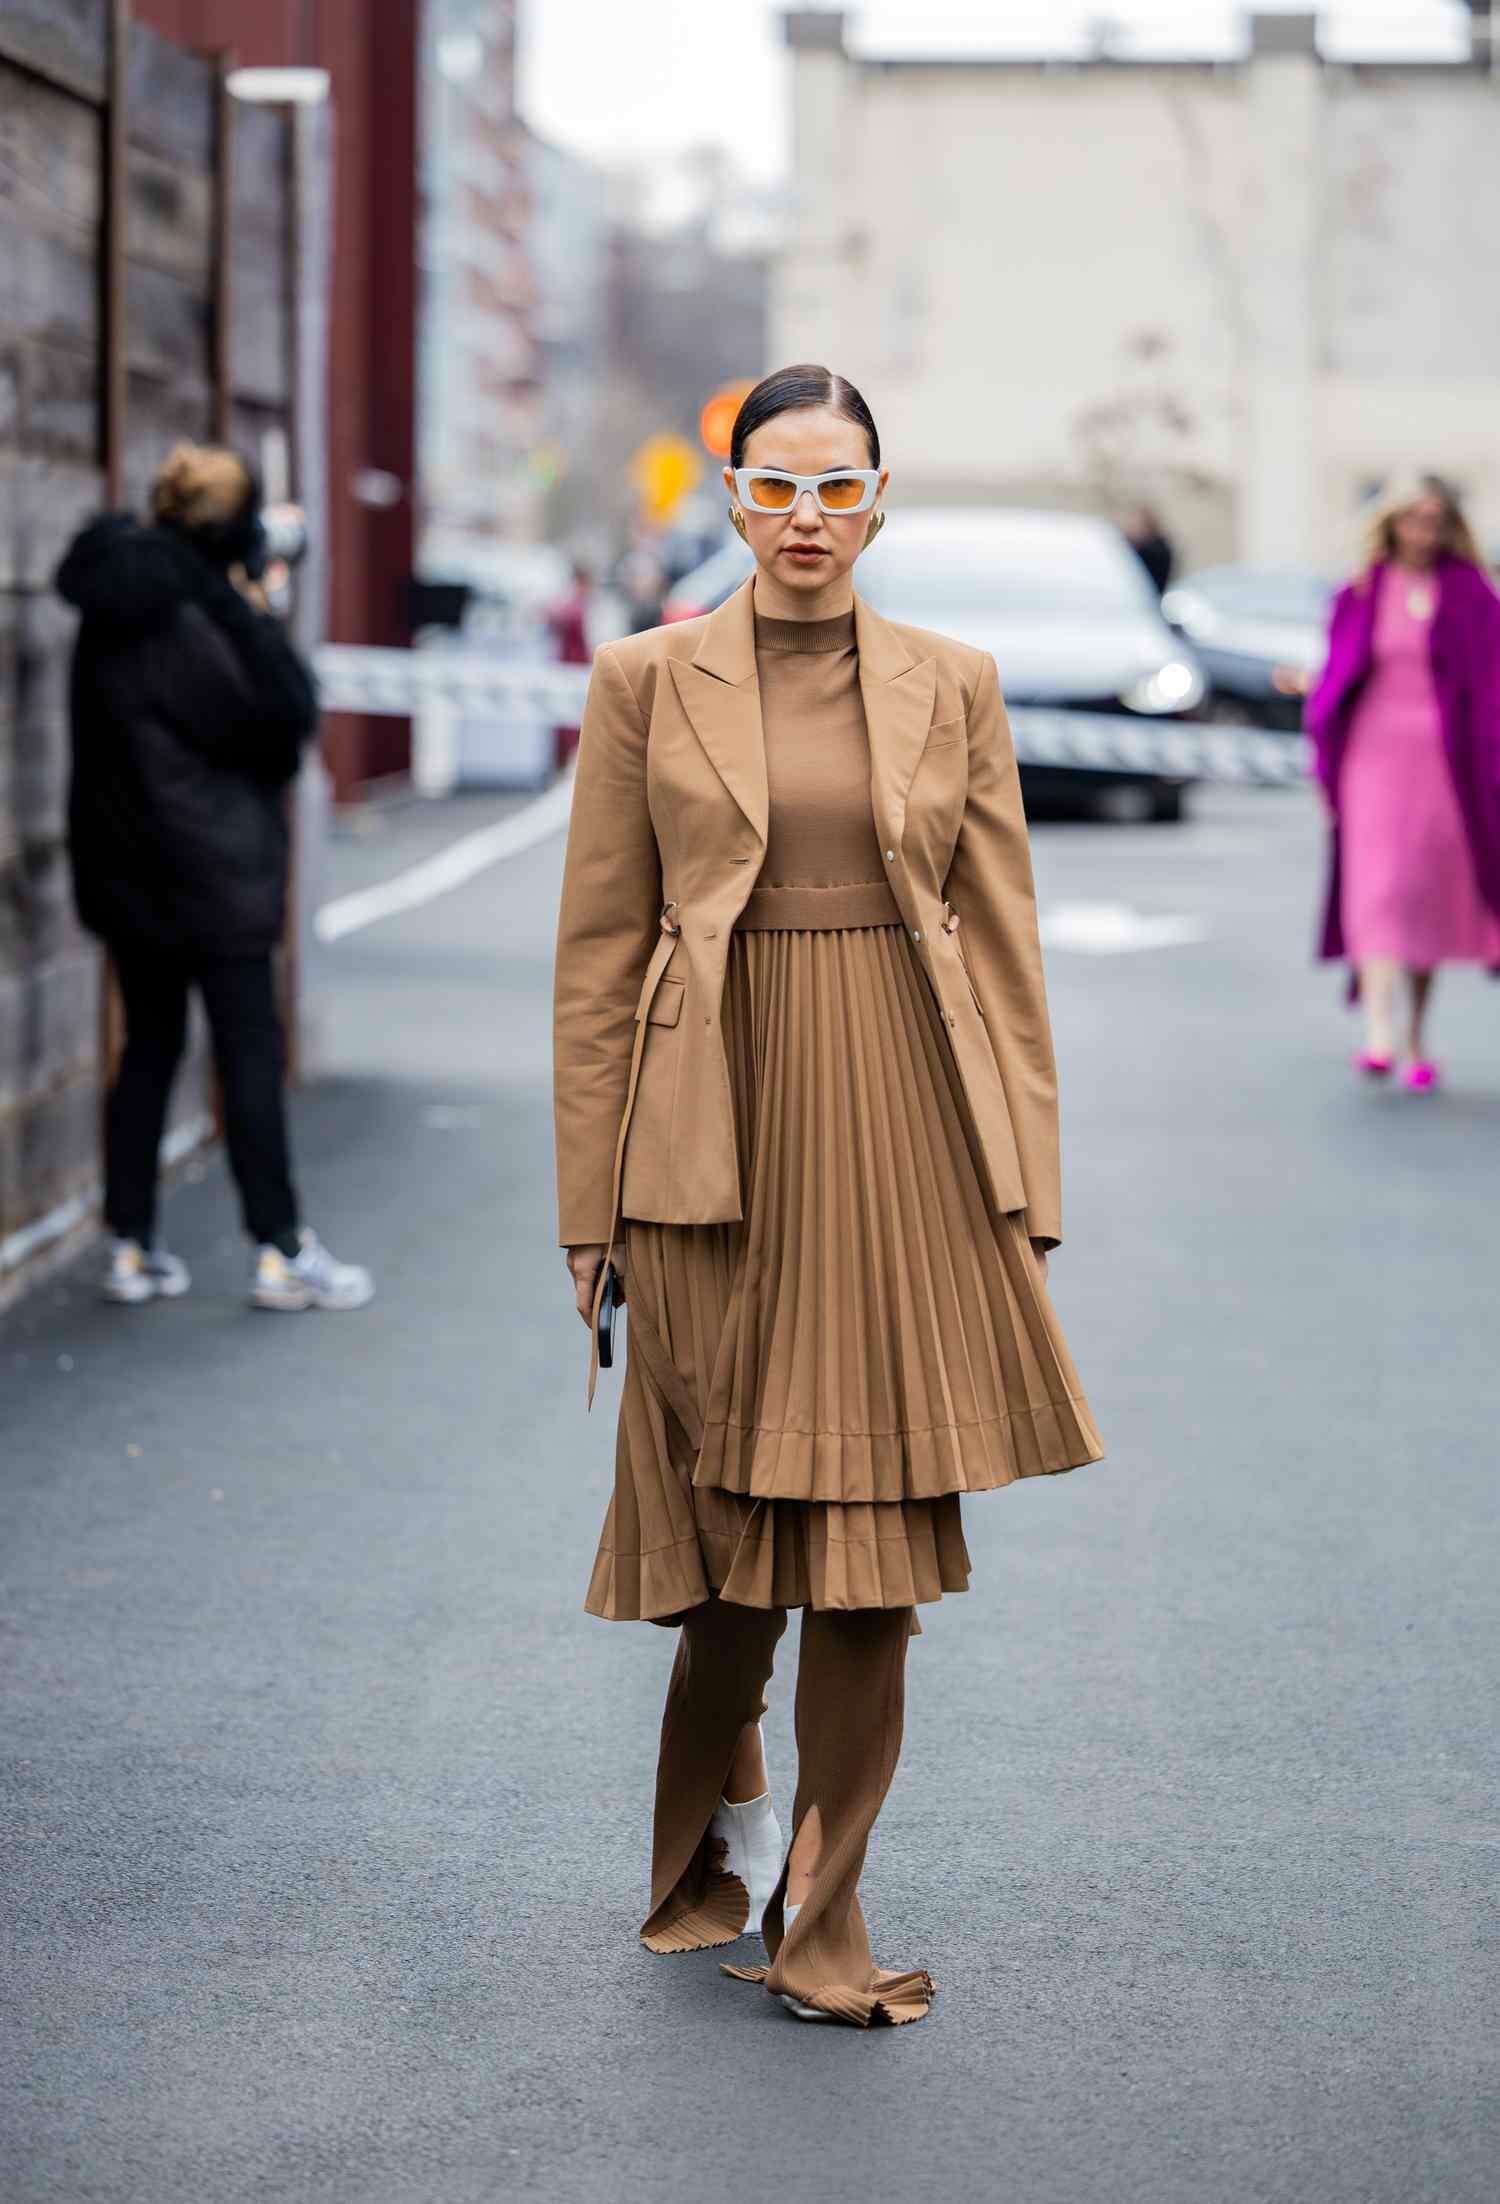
{"points": [[1396, 496], [201, 486]]}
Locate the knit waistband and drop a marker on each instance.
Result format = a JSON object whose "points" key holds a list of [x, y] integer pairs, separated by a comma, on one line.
{"points": [[820, 909]]}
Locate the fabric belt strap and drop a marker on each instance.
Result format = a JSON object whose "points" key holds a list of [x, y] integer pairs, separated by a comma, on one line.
{"points": [[819, 909]]}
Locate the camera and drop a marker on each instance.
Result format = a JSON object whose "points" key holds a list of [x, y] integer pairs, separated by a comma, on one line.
{"points": [[280, 540]]}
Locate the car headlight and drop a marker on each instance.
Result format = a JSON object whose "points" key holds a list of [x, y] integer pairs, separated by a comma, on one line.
{"points": [[1174, 687]]}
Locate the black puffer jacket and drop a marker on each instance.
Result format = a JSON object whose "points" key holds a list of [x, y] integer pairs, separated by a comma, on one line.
{"points": [[189, 709]]}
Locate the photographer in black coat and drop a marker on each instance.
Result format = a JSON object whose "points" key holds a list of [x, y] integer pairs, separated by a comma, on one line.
{"points": [[190, 710]]}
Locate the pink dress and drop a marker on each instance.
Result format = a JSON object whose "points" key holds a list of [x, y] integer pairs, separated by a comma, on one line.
{"points": [[1409, 887]]}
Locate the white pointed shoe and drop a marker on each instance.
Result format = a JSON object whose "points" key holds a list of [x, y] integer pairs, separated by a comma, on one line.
{"points": [[795, 2004], [752, 1839]]}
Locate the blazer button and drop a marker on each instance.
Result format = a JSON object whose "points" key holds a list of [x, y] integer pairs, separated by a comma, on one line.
{"points": [[915, 934], [890, 857]]}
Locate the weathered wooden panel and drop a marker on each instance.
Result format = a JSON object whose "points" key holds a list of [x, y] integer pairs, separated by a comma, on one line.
{"points": [[10, 840], [67, 40], [42, 636], [48, 286], [47, 901], [59, 1146], [15, 1207], [170, 218], [42, 505], [51, 154], [252, 428], [48, 1024], [13, 1025], [260, 347], [58, 411], [170, 96], [167, 324], [259, 312]]}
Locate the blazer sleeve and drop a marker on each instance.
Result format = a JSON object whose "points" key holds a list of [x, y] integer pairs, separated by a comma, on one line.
{"points": [[608, 925], [990, 886]]}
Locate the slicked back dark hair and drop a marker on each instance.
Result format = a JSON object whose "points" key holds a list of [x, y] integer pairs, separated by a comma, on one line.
{"points": [[795, 390]]}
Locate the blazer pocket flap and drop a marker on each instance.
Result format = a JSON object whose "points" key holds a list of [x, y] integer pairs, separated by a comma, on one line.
{"points": [[666, 1003], [944, 732]]}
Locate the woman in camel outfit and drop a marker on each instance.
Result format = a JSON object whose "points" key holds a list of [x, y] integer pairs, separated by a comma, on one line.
{"points": [[806, 1100]]}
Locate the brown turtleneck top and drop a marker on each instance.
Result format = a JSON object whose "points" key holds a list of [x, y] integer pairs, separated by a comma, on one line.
{"points": [[823, 865]]}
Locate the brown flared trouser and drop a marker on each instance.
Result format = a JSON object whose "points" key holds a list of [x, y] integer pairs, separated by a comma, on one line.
{"points": [[850, 1703]]}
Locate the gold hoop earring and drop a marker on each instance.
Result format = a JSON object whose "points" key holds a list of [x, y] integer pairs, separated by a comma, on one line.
{"points": [[737, 522], [874, 529]]}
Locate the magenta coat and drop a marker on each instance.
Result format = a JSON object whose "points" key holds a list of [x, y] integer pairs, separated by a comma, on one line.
{"points": [[1465, 645]]}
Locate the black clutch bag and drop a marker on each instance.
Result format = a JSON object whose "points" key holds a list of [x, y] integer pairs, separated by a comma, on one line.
{"points": [[610, 1300]]}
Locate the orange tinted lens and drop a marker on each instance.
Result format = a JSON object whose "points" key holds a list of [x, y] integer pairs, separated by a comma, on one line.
{"points": [[771, 493], [841, 492]]}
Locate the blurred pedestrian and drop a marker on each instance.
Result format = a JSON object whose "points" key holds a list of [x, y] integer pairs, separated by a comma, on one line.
{"points": [[1406, 721], [1149, 540], [568, 625], [190, 709], [827, 1115], [641, 578]]}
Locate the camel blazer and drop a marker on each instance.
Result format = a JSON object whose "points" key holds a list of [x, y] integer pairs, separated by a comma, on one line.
{"points": [[667, 836]]}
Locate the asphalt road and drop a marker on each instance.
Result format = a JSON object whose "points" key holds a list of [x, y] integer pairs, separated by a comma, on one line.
{"points": [[325, 1807]]}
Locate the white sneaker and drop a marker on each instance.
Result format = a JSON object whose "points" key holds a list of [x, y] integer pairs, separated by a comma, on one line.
{"points": [[752, 1839], [310, 1279], [139, 1273]]}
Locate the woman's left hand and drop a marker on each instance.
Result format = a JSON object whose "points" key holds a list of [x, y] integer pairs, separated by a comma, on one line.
{"points": [[1039, 1250]]}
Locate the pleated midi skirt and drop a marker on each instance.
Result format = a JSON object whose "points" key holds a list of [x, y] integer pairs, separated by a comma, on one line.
{"points": [[809, 1390]]}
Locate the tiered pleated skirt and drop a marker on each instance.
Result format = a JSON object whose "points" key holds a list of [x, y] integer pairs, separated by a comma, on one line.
{"points": [[809, 1390]]}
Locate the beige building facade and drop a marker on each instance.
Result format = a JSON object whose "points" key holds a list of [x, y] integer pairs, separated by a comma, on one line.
{"points": [[1243, 290]]}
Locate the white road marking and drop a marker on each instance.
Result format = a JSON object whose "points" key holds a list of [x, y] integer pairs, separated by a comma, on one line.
{"points": [[1115, 929], [462, 861]]}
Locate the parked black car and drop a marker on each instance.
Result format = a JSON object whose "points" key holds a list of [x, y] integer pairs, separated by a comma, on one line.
{"points": [[1259, 633]]}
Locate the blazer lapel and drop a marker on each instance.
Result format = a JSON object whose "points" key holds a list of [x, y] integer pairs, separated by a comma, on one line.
{"points": [[721, 697], [899, 692]]}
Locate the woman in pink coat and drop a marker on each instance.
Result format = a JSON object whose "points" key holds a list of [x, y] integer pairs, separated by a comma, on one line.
{"points": [[1406, 723]]}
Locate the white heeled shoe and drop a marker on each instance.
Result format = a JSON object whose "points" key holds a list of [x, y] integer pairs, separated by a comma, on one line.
{"points": [[751, 1835], [795, 2004]]}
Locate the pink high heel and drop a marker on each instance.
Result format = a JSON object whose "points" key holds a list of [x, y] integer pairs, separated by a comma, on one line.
{"points": [[1420, 1077], [1373, 1066]]}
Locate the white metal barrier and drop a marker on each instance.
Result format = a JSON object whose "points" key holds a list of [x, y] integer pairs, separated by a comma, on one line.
{"points": [[407, 683], [356, 677], [1184, 749]]}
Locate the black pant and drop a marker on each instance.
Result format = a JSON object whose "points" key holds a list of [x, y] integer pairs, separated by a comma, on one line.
{"points": [[239, 995]]}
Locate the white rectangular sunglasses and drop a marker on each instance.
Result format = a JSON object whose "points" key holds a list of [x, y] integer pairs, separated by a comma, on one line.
{"points": [[845, 490]]}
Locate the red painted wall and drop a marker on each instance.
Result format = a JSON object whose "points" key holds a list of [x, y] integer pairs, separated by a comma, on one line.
{"points": [[371, 56]]}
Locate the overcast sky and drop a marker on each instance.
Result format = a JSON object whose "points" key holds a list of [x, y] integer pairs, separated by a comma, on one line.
{"points": [[622, 80]]}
